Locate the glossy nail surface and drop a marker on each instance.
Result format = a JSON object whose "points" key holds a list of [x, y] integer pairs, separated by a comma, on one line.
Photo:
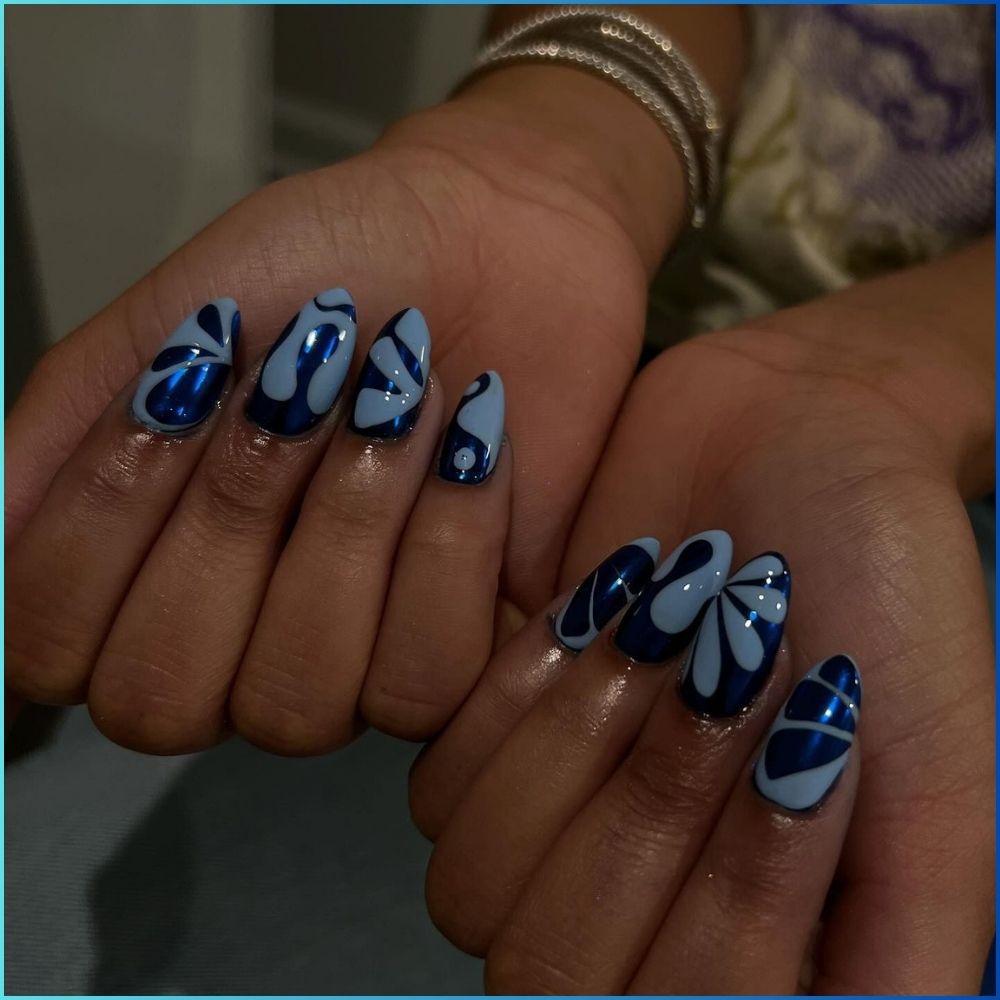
{"points": [[472, 442], [392, 382], [808, 745], [185, 381], [661, 622], [738, 638], [608, 589], [305, 369]]}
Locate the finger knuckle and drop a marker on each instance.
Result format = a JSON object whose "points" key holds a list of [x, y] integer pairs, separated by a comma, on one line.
{"points": [[658, 792], [133, 710], [273, 709], [455, 550], [238, 494], [349, 518]]}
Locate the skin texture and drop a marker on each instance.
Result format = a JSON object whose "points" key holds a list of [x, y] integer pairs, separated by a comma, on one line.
{"points": [[809, 433], [500, 233]]}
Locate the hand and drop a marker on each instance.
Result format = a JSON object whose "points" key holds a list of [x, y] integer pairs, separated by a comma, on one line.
{"points": [[594, 835], [149, 559]]}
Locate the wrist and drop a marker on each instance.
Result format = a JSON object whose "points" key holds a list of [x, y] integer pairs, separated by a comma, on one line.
{"points": [[922, 338], [580, 132]]}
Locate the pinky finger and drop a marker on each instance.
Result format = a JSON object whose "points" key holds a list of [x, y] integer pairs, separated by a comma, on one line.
{"points": [[743, 921]]}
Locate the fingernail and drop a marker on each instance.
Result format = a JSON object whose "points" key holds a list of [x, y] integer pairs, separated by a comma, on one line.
{"points": [[472, 442], [608, 589], [305, 369], [738, 639], [661, 622], [392, 382], [185, 381], [807, 747]]}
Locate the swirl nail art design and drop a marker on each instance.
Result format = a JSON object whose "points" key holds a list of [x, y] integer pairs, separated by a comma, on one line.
{"points": [[808, 745], [392, 382], [185, 381], [608, 589], [738, 639], [305, 368], [661, 622], [472, 442]]}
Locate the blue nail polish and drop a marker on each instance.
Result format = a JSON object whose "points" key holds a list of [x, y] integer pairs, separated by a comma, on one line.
{"points": [[185, 381], [392, 382], [808, 745], [608, 589], [472, 442], [661, 622], [305, 369], [738, 639]]}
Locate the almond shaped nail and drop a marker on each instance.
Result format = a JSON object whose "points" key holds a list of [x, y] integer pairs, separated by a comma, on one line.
{"points": [[610, 587], [305, 368], [738, 638], [808, 745], [186, 379]]}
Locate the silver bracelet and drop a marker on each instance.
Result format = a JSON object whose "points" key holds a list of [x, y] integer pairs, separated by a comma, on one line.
{"points": [[625, 50]]}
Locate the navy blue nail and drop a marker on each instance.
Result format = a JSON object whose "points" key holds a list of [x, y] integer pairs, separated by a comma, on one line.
{"points": [[661, 622], [305, 368], [608, 589], [185, 381], [808, 745], [472, 442], [392, 382], [738, 639]]}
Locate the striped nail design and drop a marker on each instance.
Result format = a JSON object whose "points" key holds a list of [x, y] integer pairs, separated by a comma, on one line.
{"points": [[808, 745], [605, 591]]}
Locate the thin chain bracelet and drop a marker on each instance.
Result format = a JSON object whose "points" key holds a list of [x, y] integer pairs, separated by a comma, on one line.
{"points": [[625, 50]]}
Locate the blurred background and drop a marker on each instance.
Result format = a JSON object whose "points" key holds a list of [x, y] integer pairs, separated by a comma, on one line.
{"points": [[128, 129]]}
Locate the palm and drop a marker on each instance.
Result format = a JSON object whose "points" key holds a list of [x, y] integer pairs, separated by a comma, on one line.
{"points": [[510, 274], [740, 431]]}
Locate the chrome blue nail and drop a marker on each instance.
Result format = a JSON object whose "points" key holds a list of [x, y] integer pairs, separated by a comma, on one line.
{"points": [[305, 368], [394, 377], [808, 745], [738, 639], [608, 589], [472, 442], [661, 622], [185, 381]]}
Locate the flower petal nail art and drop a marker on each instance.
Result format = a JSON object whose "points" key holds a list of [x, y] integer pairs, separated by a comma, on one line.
{"points": [[392, 382], [185, 381], [305, 369], [808, 745], [472, 442], [608, 589], [738, 639], [660, 623]]}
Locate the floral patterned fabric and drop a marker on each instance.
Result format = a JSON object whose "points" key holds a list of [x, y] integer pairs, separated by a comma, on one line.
{"points": [[865, 142]]}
